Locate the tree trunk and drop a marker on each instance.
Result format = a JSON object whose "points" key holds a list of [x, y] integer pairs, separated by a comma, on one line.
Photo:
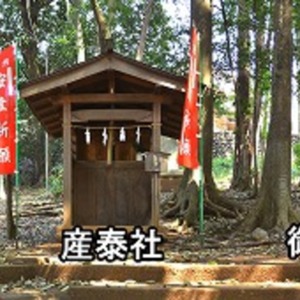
{"points": [[104, 33], [264, 128], [29, 14], [142, 41], [274, 207], [265, 105], [185, 201], [179, 200], [258, 93], [202, 14], [228, 42], [11, 228], [242, 153], [79, 31]]}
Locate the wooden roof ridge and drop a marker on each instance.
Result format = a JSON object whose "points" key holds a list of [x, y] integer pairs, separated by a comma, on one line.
{"points": [[110, 54], [80, 83]]}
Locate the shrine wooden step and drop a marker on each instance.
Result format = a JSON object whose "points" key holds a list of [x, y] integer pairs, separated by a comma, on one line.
{"points": [[225, 292], [163, 273], [241, 291]]}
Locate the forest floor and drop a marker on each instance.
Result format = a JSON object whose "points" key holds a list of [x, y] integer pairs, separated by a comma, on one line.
{"points": [[39, 215]]}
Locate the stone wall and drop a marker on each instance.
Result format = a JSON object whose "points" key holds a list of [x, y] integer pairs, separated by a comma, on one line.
{"points": [[224, 143]]}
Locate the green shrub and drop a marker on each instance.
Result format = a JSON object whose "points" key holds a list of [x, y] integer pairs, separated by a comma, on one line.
{"points": [[296, 161], [56, 181], [222, 168]]}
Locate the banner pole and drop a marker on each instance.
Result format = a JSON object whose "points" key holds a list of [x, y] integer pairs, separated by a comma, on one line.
{"points": [[201, 148], [17, 177]]}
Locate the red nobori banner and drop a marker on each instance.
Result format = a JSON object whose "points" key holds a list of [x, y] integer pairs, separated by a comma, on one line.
{"points": [[8, 96], [188, 144]]}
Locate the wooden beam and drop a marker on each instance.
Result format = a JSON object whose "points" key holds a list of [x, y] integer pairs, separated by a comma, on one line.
{"points": [[47, 110], [97, 80], [134, 82], [96, 66], [67, 163], [147, 74], [174, 112], [49, 118], [57, 118], [119, 98], [54, 124], [55, 132], [68, 76], [40, 103], [156, 133], [137, 115]]}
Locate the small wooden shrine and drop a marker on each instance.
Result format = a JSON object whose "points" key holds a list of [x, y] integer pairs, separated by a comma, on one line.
{"points": [[111, 112]]}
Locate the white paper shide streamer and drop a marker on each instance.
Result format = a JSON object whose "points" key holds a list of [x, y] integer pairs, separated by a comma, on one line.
{"points": [[87, 136], [104, 137], [122, 136], [104, 134], [138, 135]]}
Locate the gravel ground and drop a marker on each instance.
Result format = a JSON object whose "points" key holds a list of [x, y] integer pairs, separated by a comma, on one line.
{"points": [[185, 247], [38, 229], [35, 230], [32, 230]]}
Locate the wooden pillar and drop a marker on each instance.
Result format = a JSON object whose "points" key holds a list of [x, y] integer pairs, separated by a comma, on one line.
{"points": [[67, 143], [110, 144], [156, 132]]}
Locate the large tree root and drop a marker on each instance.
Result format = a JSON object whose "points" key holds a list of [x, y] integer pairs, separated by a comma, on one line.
{"points": [[184, 204], [219, 211], [268, 216], [179, 200]]}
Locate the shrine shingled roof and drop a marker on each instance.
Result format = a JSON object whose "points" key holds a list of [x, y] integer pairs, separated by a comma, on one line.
{"points": [[93, 77]]}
